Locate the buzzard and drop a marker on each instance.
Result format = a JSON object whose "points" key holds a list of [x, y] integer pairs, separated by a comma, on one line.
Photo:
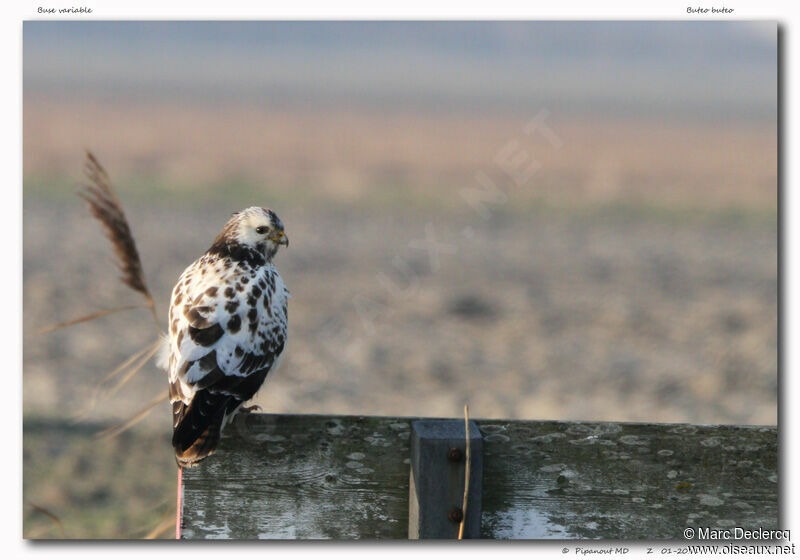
{"points": [[227, 330]]}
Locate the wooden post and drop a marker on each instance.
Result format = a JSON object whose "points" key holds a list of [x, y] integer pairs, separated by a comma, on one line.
{"points": [[436, 487]]}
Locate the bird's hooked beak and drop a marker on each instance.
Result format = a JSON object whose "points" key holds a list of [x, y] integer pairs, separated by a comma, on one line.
{"points": [[280, 238]]}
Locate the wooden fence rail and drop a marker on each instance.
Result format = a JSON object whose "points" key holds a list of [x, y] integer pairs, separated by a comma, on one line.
{"points": [[347, 477]]}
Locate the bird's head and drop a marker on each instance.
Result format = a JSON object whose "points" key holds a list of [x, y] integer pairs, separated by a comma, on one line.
{"points": [[255, 228]]}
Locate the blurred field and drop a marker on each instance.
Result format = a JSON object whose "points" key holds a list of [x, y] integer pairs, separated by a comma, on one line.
{"points": [[423, 158], [117, 488], [633, 276]]}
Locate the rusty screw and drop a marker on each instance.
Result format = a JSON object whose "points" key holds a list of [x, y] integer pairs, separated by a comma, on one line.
{"points": [[454, 455], [456, 515]]}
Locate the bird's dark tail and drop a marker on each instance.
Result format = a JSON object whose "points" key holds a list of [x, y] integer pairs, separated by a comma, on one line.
{"points": [[198, 426]]}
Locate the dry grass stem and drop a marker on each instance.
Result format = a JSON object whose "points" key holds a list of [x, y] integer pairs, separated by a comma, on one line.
{"points": [[120, 427], [53, 517], [166, 523], [150, 349], [468, 463], [128, 361], [95, 315], [134, 369]]}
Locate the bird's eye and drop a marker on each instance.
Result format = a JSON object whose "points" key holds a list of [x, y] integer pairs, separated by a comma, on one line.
{"points": [[261, 230]]}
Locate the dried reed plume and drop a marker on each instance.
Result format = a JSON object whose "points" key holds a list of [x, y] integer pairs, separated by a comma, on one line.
{"points": [[105, 206]]}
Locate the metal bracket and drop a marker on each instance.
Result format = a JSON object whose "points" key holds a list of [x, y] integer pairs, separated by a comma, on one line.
{"points": [[438, 454]]}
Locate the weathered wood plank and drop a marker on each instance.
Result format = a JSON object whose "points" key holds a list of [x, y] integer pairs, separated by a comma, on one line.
{"points": [[285, 476], [304, 477], [626, 481]]}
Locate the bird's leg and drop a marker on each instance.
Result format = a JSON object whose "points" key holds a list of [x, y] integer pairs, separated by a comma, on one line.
{"points": [[250, 409]]}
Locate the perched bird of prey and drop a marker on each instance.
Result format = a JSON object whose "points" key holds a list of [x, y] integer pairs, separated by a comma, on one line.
{"points": [[227, 330]]}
